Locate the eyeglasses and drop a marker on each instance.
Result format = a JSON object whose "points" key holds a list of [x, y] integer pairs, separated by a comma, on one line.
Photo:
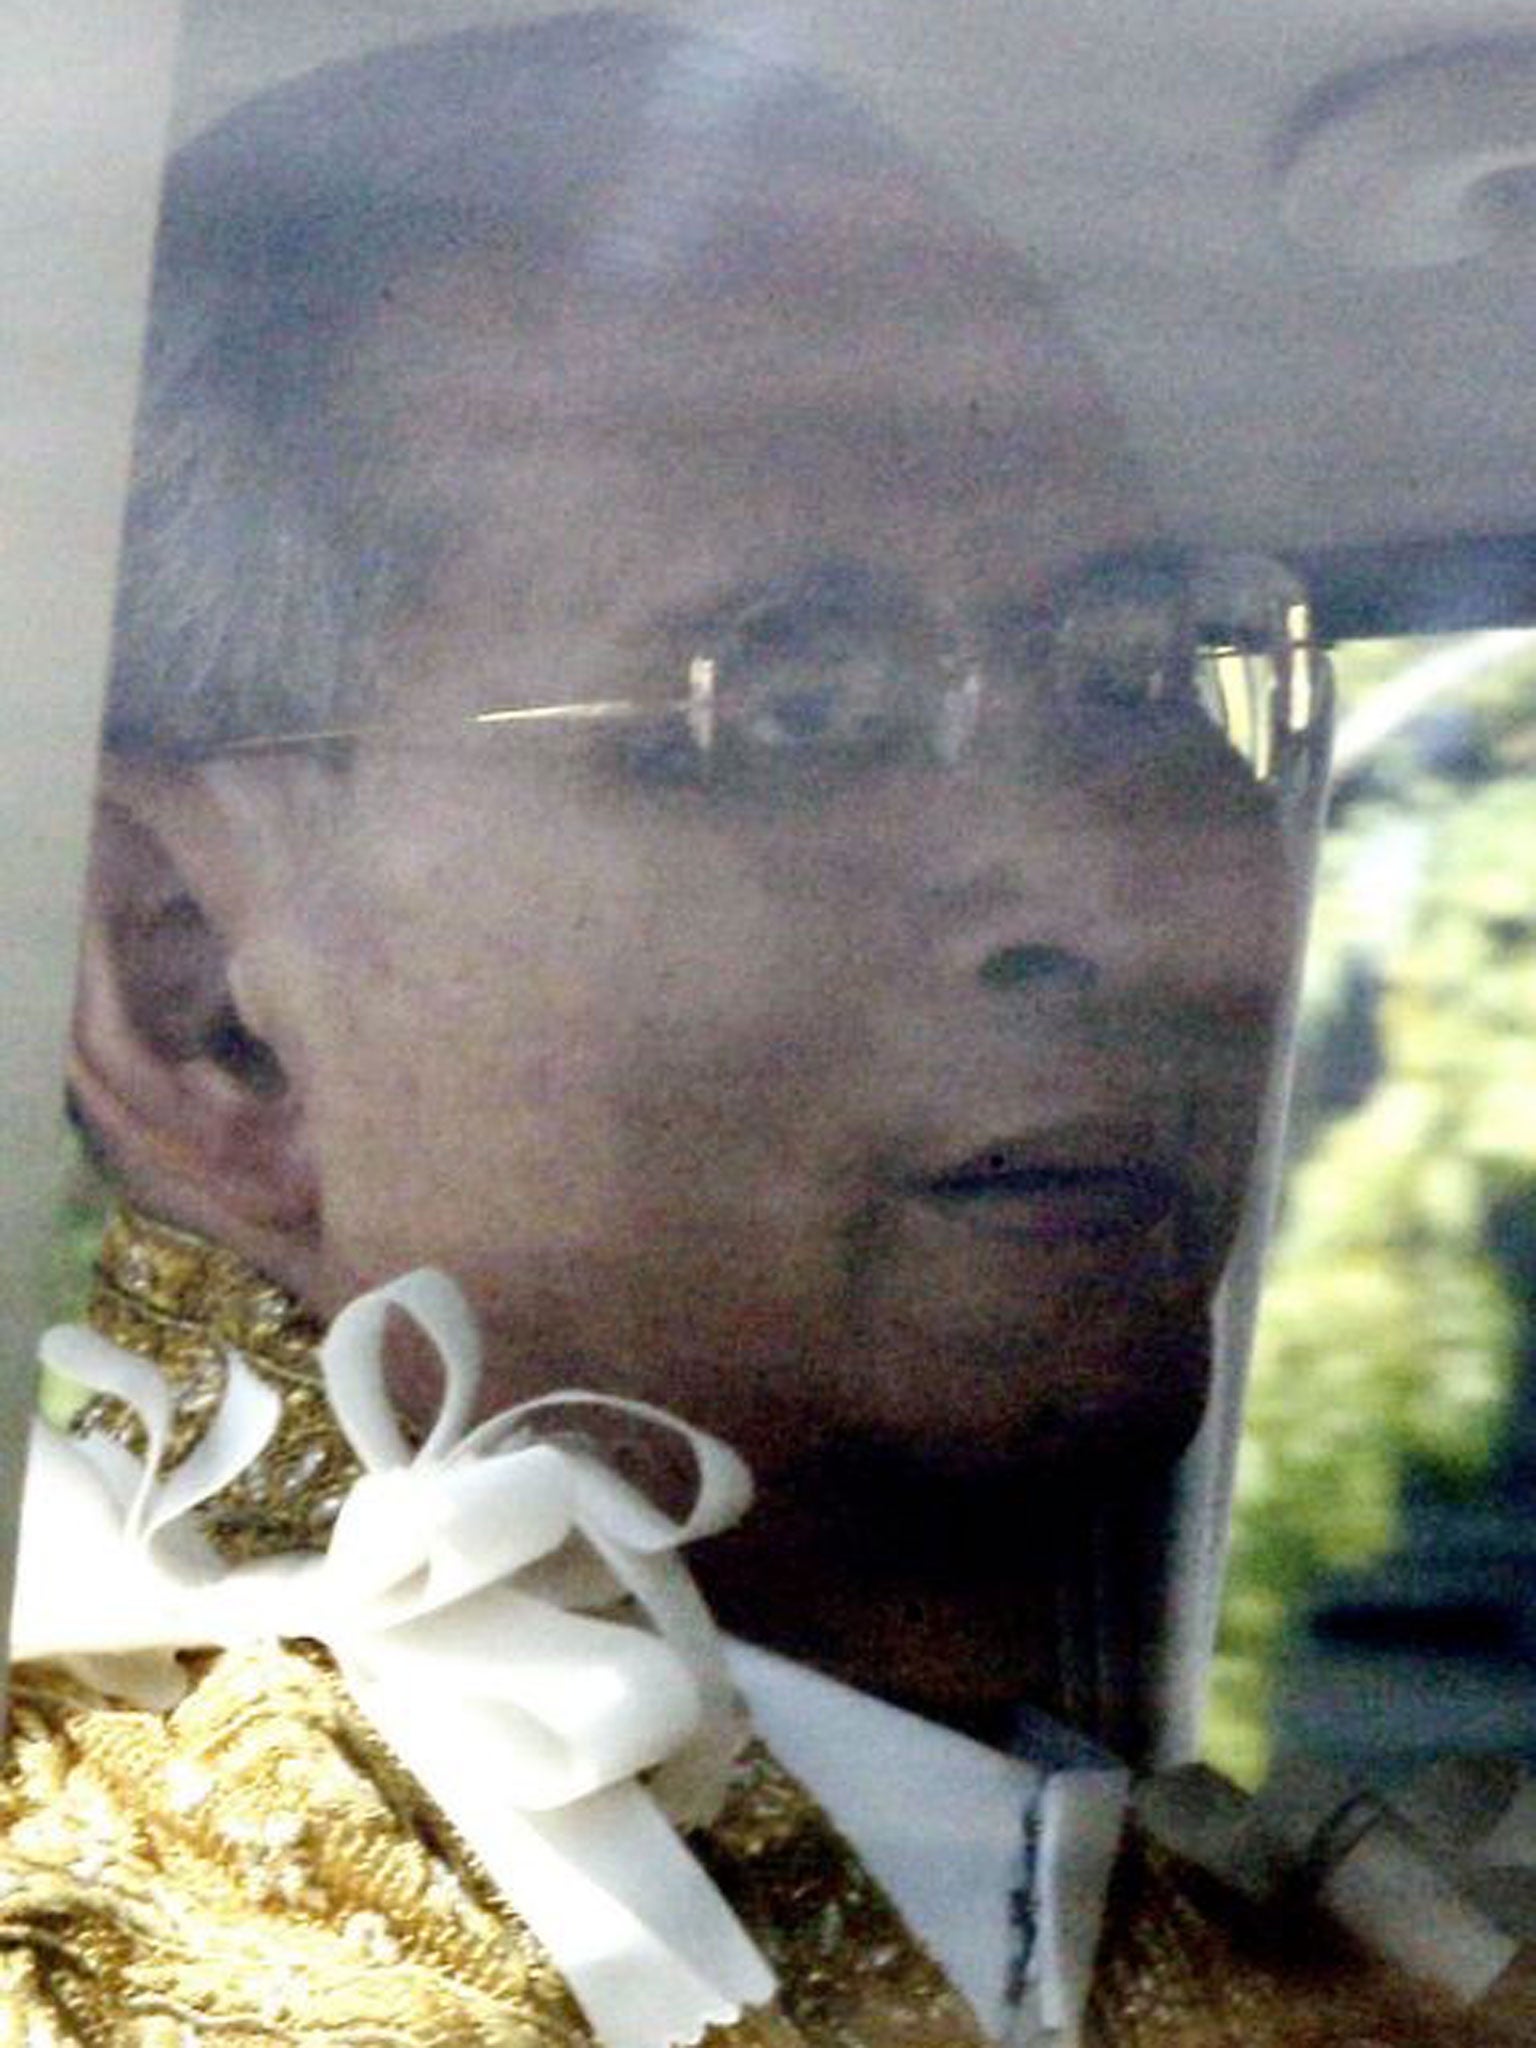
{"points": [[833, 672]]}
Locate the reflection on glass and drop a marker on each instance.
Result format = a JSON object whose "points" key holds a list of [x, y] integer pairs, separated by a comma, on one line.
{"points": [[1380, 1595], [835, 998], [658, 761]]}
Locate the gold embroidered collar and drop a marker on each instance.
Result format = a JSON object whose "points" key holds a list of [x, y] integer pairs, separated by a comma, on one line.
{"points": [[188, 1305]]}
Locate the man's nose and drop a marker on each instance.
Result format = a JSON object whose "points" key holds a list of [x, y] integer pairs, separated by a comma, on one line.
{"points": [[1035, 967], [1027, 908], [1089, 901]]}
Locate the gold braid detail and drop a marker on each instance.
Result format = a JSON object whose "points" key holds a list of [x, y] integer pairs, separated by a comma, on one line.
{"points": [[1184, 1964], [256, 1868], [187, 1304]]}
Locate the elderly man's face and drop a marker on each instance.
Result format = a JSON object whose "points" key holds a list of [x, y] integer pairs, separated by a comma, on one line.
{"points": [[858, 1097]]}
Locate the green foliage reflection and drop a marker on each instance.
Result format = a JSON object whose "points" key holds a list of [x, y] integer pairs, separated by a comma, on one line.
{"points": [[1388, 1337]]}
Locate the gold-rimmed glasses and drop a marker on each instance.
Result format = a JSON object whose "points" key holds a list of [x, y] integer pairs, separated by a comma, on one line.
{"points": [[826, 674]]}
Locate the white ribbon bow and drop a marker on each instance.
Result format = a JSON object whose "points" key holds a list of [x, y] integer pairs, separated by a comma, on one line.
{"points": [[469, 1597]]}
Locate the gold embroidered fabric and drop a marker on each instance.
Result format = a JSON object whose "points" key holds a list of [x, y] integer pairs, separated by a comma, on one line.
{"points": [[187, 1304], [1184, 1964], [255, 1868]]}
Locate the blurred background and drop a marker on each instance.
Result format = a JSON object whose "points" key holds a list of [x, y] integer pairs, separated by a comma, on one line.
{"points": [[1380, 1605]]}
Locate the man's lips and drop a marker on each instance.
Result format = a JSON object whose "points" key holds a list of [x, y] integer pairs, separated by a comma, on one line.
{"points": [[1048, 1194]]}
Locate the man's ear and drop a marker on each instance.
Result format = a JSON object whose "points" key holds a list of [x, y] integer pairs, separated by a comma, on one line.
{"points": [[195, 1110]]}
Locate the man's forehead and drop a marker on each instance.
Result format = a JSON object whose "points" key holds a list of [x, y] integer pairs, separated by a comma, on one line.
{"points": [[605, 523], [601, 223], [775, 326], [924, 311], [960, 418]]}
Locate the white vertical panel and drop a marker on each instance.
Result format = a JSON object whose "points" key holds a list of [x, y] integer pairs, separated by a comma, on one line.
{"points": [[84, 90]]}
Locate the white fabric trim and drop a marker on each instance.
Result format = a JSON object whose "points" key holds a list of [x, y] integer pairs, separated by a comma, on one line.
{"points": [[513, 1617], [939, 1821], [459, 1598]]}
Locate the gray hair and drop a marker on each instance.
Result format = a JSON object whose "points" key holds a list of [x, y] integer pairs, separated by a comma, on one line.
{"points": [[268, 541]]}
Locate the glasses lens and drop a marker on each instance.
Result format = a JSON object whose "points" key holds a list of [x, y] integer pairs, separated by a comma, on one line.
{"points": [[826, 675], [834, 676]]}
